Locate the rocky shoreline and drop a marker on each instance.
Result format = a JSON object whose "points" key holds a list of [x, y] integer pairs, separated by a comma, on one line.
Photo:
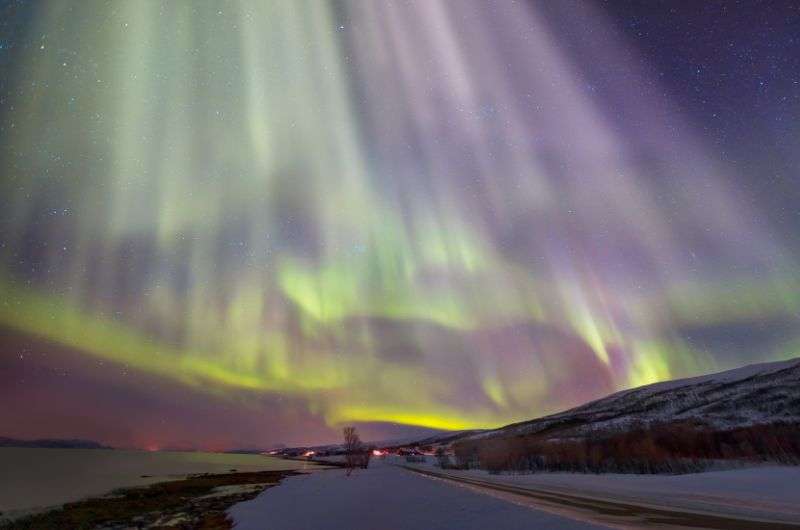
{"points": [[196, 502]]}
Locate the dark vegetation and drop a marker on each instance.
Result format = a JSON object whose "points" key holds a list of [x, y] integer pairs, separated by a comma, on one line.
{"points": [[175, 504], [442, 458], [676, 447]]}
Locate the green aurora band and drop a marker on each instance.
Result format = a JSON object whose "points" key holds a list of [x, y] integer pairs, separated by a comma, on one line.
{"points": [[248, 199]]}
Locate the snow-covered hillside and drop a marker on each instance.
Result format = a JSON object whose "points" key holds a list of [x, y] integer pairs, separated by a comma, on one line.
{"points": [[756, 394]]}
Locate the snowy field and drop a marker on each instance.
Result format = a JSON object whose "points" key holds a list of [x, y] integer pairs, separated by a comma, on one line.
{"points": [[770, 492], [386, 497], [759, 489]]}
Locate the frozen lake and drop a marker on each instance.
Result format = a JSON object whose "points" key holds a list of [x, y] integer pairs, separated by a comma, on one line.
{"points": [[35, 478]]}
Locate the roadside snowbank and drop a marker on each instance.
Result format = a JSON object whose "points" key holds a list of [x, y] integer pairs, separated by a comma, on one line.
{"points": [[748, 491]]}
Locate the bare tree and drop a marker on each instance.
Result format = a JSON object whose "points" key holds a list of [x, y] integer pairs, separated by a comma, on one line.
{"points": [[352, 449]]}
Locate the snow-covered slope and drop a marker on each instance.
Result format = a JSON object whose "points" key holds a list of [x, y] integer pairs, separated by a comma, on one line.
{"points": [[756, 394], [443, 438]]}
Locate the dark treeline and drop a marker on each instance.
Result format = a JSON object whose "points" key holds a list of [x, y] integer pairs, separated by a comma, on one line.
{"points": [[666, 448]]}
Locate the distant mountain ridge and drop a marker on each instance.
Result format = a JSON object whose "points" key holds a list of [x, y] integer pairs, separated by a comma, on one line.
{"points": [[53, 443]]}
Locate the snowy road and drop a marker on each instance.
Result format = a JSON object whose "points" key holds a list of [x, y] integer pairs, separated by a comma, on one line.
{"points": [[386, 497]]}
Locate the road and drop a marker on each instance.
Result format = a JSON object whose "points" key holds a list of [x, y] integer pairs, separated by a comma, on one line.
{"points": [[387, 497], [393, 496]]}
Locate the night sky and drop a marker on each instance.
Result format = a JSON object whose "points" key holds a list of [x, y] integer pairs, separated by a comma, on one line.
{"points": [[238, 224]]}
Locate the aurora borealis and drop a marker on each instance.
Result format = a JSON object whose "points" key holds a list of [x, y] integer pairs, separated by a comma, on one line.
{"points": [[273, 218]]}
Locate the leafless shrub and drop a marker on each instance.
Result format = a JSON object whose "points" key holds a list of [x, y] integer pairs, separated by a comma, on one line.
{"points": [[668, 448], [442, 458]]}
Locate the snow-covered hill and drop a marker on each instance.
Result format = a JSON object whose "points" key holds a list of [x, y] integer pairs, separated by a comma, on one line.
{"points": [[756, 394]]}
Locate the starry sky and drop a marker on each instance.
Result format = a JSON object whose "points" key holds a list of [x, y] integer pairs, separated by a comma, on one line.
{"points": [[241, 223]]}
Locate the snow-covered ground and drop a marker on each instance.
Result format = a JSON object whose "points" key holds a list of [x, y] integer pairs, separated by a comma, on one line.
{"points": [[774, 486], [772, 492], [386, 496]]}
